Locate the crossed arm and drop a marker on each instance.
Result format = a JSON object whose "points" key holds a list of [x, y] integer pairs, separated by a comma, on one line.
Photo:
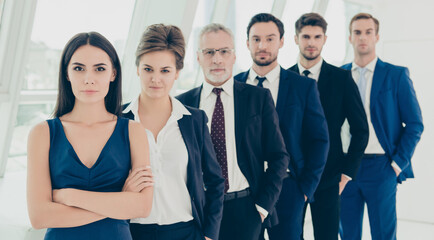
{"points": [[73, 207]]}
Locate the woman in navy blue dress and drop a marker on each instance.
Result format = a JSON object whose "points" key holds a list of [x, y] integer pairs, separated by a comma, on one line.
{"points": [[182, 155], [78, 162]]}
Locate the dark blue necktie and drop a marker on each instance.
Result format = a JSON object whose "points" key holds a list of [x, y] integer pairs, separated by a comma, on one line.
{"points": [[218, 135], [260, 81]]}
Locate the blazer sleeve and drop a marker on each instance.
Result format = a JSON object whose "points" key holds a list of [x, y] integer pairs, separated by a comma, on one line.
{"points": [[315, 143], [359, 129], [214, 184], [411, 116], [275, 154]]}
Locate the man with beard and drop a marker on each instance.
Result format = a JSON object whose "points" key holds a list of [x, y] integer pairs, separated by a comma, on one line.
{"points": [[341, 101], [301, 120], [395, 128], [245, 133]]}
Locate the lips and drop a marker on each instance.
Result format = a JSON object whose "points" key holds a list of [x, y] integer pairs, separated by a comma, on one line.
{"points": [[89, 91], [262, 54], [217, 70]]}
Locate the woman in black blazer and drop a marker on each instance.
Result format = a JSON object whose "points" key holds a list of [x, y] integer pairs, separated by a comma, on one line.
{"points": [[188, 189]]}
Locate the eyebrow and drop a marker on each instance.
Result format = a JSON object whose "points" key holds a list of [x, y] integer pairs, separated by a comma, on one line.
{"points": [[269, 35], [95, 65], [146, 65]]}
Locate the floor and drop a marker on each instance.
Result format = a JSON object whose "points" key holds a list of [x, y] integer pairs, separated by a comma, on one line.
{"points": [[15, 225]]}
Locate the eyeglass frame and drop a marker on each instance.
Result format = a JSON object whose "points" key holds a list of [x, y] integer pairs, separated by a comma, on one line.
{"points": [[230, 50]]}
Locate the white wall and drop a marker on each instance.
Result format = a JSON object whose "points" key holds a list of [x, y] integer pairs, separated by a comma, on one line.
{"points": [[407, 39]]}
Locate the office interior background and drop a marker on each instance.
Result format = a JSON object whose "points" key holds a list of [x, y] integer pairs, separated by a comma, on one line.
{"points": [[33, 33]]}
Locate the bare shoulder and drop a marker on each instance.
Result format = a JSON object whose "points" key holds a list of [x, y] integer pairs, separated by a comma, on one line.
{"points": [[136, 131], [40, 131], [136, 128]]}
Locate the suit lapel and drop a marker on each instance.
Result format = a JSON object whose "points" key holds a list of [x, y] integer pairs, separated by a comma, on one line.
{"points": [[186, 128], [324, 76], [242, 77], [239, 112], [377, 81], [283, 91]]}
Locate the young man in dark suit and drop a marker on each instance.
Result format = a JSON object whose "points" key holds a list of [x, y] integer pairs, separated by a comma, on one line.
{"points": [[245, 133], [341, 101], [395, 128], [301, 120]]}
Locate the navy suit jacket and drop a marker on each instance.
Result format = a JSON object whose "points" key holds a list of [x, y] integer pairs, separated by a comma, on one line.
{"points": [[203, 171], [303, 128], [340, 100], [395, 114], [257, 139]]}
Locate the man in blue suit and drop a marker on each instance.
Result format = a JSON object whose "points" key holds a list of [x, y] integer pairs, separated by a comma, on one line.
{"points": [[395, 127], [302, 123]]}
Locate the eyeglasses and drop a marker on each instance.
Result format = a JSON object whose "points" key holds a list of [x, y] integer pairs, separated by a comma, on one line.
{"points": [[210, 52]]}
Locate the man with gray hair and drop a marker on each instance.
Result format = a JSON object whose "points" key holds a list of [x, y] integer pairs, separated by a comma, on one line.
{"points": [[245, 133]]}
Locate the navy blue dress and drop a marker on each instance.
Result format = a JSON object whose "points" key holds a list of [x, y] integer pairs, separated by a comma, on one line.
{"points": [[108, 174]]}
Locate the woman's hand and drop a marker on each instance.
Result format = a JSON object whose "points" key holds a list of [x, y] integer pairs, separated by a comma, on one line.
{"points": [[138, 179]]}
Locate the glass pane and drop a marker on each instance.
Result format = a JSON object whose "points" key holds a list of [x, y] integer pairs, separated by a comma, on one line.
{"points": [[293, 10], [28, 116], [240, 13], [2, 2], [57, 21], [334, 49], [189, 75]]}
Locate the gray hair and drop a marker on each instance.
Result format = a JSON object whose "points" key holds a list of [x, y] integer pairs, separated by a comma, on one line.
{"points": [[215, 27]]}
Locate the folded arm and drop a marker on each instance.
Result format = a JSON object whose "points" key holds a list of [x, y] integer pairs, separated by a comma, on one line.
{"points": [[43, 212], [117, 205]]}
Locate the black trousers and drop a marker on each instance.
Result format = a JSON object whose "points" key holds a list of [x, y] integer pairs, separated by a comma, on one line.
{"points": [[325, 213], [176, 231], [241, 220]]}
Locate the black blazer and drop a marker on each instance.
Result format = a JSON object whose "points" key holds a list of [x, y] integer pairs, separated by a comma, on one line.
{"points": [[340, 99], [257, 138], [203, 170]]}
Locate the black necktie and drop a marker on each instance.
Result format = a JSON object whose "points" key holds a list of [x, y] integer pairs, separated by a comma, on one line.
{"points": [[260, 80], [306, 72], [218, 135]]}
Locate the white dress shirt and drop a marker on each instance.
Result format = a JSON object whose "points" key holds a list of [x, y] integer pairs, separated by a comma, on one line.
{"points": [[374, 146], [169, 159], [315, 70], [271, 83], [237, 180]]}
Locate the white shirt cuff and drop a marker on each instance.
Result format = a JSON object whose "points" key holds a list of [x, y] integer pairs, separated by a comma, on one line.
{"points": [[394, 165], [261, 210], [348, 177]]}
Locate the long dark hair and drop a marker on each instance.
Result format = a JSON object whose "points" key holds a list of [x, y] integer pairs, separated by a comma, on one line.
{"points": [[65, 97]]}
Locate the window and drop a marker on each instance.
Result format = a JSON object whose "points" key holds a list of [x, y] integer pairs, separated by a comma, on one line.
{"points": [[293, 10], [191, 73], [240, 13], [54, 24]]}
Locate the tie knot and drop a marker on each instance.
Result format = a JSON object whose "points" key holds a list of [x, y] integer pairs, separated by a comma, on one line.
{"points": [[217, 91], [260, 80], [306, 72], [362, 70]]}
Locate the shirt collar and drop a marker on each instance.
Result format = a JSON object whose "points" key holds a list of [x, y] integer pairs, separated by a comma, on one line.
{"points": [[370, 66], [228, 88], [178, 109], [271, 76], [315, 69]]}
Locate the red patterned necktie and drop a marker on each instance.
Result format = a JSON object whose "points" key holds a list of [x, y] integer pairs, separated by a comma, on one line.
{"points": [[218, 135]]}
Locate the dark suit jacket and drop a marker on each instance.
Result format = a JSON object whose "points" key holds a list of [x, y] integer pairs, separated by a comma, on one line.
{"points": [[395, 114], [340, 100], [203, 170], [257, 139], [303, 127]]}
